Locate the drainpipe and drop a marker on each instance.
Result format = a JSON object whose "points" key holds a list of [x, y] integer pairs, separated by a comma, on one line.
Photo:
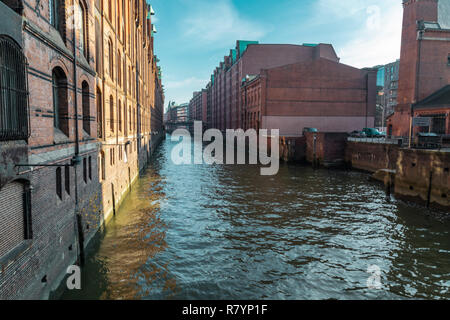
{"points": [[76, 158]]}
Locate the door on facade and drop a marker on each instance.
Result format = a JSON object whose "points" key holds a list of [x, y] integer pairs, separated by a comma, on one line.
{"points": [[12, 224]]}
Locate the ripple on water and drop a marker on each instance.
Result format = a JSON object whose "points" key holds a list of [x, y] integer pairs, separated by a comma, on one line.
{"points": [[225, 232]]}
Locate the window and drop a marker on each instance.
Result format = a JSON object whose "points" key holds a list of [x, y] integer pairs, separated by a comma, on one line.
{"points": [[120, 116], [15, 216], [125, 121], [448, 59], [54, 10], [13, 91], [102, 166], [111, 157], [60, 104], [59, 183], [98, 48], [84, 40], [99, 114], [111, 59], [57, 14], [129, 118], [111, 113], [124, 76], [86, 107], [85, 170], [134, 119], [110, 10], [67, 179], [119, 69]]}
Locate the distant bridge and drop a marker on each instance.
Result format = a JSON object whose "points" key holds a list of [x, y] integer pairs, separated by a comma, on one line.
{"points": [[171, 126]]}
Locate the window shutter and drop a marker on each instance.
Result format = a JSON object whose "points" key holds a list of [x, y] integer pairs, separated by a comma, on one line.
{"points": [[12, 213]]}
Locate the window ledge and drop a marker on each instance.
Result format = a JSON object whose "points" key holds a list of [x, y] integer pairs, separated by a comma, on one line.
{"points": [[14, 254], [60, 137]]}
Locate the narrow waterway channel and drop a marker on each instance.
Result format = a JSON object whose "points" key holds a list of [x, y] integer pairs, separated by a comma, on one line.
{"points": [[225, 232]]}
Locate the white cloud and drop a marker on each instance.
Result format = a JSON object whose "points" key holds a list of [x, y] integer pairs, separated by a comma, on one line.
{"points": [[213, 21], [377, 40]]}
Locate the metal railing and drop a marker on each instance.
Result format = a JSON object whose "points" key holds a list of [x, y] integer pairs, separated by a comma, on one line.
{"points": [[14, 115], [400, 141]]}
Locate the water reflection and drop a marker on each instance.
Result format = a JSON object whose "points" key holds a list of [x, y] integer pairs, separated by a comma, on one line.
{"points": [[225, 232]]}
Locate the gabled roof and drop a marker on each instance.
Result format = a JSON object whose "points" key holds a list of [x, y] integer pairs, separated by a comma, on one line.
{"points": [[437, 99]]}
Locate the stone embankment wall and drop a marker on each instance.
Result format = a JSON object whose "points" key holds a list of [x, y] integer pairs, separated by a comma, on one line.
{"points": [[371, 157], [423, 176]]}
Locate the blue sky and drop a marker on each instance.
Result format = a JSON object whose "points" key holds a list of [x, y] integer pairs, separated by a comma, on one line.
{"points": [[194, 35]]}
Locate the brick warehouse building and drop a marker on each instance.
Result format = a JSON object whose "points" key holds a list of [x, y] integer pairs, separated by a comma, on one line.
{"points": [[198, 107], [322, 94], [424, 67], [129, 92], [240, 72], [50, 211], [248, 58]]}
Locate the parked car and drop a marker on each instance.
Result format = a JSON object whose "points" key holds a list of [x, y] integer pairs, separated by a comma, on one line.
{"points": [[357, 134], [373, 133], [313, 130]]}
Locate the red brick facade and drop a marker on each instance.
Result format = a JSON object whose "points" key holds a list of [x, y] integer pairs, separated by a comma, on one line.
{"points": [[88, 107], [249, 58], [322, 94], [198, 107], [424, 63]]}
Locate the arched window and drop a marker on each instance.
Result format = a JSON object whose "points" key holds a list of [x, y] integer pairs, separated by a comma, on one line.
{"points": [[86, 107], [125, 121], [98, 48], [99, 114], [129, 79], [13, 91], [60, 103], [119, 69], [84, 29], [102, 166], [111, 58], [111, 113], [15, 216], [57, 15], [110, 10], [54, 13], [129, 119], [59, 182], [120, 116]]}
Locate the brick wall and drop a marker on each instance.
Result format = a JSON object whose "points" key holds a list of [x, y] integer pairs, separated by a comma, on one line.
{"points": [[36, 267]]}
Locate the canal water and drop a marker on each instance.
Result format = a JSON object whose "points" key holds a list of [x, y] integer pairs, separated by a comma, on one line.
{"points": [[225, 232]]}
